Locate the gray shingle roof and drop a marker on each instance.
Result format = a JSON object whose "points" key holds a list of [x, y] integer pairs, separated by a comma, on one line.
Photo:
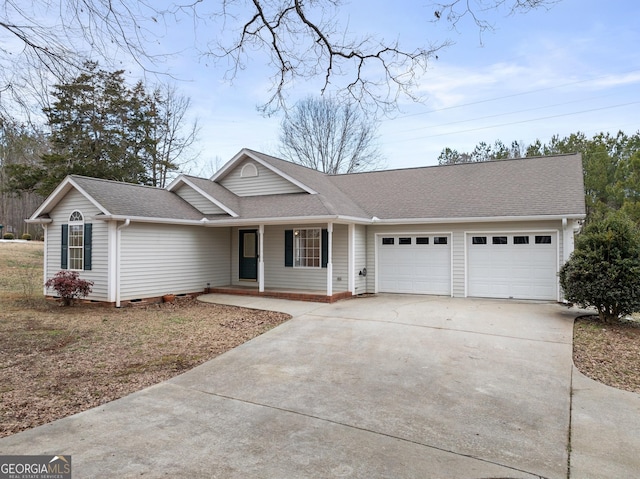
{"points": [[544, 186], [127, 199], [551, 185]]}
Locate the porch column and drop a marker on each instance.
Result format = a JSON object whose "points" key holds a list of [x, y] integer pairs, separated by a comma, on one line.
{"points": [[330, 259], [351, 275], [260, 258]]}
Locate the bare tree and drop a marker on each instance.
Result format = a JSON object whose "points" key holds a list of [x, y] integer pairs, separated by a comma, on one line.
{"points": [[172, 135], [454, 11], [304, 40], [330, 136]]}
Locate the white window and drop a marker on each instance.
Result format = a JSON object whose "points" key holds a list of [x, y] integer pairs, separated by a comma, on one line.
{"points": [[307, 248], [76, 241]]}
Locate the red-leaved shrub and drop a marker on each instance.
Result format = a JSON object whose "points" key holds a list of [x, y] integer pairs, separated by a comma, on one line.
{"points": [[69, 286]]}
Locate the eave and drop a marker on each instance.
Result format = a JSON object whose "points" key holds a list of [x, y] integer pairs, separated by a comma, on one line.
{"points": [[479, 219], [219, 204]]}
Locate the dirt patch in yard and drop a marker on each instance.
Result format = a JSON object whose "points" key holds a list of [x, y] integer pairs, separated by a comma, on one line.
{"points": [[56, 361], [609, 353]]}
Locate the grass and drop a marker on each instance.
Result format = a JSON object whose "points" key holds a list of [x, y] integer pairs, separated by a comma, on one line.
{"points": [[57, 360]]}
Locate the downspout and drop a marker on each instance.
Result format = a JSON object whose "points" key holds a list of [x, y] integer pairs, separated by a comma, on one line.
{"points": [[118, 235], [46, 257]]}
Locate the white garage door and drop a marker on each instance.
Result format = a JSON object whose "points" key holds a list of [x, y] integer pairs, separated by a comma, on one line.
{"points": [[417, 264], [520, 265]]}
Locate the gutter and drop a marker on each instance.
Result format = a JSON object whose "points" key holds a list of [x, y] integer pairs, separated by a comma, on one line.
{"points": [[335, 218], [481, 219], [238, 221], [39, 221]]}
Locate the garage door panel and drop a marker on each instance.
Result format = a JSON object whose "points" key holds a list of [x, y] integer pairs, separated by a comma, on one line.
{"points": [[511, 270], [414, 268]]}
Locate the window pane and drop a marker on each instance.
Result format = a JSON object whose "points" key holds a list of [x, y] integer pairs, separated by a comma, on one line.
{"points": [[404, 240], [249, 242], [424, 240], [479, 240], [520, 240], [440, 240], [76, 233], [387, 240], [499, 240], [543, 239], [307, 247], [75, 258]]}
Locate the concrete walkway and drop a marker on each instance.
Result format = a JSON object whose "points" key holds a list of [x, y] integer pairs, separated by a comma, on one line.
{"points": [[386, 386]]}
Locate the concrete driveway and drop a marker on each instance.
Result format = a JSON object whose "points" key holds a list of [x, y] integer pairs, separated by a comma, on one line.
{"points": [[391, 386]]}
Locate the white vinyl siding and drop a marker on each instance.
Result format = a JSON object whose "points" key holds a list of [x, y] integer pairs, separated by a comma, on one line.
{"points": [[198, 201], [340, 256], [265, 183], [360, 261], [75, 201], [161, 259], [458, 247]]}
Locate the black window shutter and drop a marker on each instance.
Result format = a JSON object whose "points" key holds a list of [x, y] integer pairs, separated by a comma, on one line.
{"points": [[88, 227], [64, 249], [325, 248], [288, 248]]}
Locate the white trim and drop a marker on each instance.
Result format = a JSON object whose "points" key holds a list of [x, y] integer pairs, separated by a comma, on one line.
{"points": [[38, 221], [329, 257], [119, 229], [351, 258], [471, 219], [496, 232], [241, 156], [249, 174], [261, 258], [146, 219], [60, 192], [112, 255], [449, 234], [295, 246], [181, 179], [301, 220], [74, 223], [45, 271]]}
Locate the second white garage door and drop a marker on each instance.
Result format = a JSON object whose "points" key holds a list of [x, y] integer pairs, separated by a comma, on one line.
{"points": [[512, 265], [416, 264]]}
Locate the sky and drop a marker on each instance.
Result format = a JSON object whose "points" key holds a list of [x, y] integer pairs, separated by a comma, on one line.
{"points": [[572, 67]]}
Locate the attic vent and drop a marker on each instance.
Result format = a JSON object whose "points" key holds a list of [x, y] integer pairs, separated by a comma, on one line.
{"points": [[249, 170]]}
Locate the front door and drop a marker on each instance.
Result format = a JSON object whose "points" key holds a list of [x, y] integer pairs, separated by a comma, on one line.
{"points": [[248, 255]]}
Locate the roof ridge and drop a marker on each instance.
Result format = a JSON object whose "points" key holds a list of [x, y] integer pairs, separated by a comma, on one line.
{"points": [[467, 163], [289, 162], [106, 180]]}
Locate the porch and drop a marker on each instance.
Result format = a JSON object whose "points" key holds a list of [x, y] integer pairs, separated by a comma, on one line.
{"points": [[292, 294]]}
